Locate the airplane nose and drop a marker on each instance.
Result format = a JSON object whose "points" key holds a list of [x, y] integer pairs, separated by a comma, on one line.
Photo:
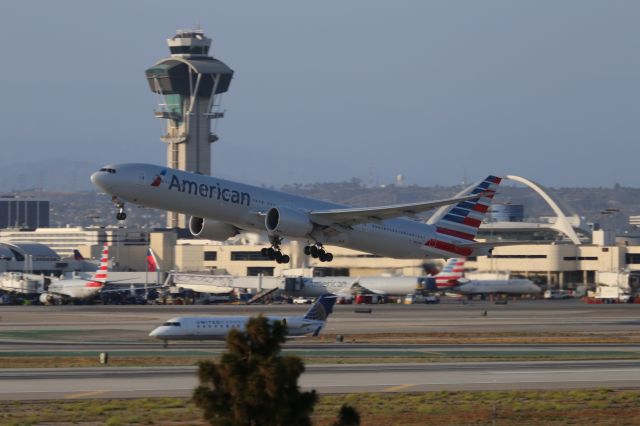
{"points": [[100, 179], [155, 331]]}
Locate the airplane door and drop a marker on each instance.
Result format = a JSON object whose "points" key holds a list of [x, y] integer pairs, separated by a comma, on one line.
{"points": [[141, 178]]}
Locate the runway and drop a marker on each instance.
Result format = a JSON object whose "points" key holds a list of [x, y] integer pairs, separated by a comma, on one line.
{"points": [[109, 382], [66, 331]]}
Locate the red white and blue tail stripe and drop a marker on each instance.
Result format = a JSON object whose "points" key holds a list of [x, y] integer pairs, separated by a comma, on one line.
{"points": [[450, 275], [152, 262], [460, 223], [100, 276]]}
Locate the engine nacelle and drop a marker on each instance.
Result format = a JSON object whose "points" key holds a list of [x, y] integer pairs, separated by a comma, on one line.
{"points": [[211, 229], [289, 222], [293, 323], [47, 299]]}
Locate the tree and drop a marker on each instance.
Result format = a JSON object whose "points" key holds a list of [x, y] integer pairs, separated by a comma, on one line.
{"points": [[348, 416], [253, 384]]}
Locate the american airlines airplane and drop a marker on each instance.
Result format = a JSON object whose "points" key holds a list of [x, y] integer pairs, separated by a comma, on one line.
{"points": [[451, 278], [220, 209], [63, 290], [217, 328]]}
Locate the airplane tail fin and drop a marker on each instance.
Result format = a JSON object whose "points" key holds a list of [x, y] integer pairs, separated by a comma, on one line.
{"points": [[460, 222], [101, 274], [321, 309], [450, 275], [77, 255], [152, 261]]}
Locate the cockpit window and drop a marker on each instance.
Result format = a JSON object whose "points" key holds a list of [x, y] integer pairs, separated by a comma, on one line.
{"points": [[172, 324], [108, 170]]}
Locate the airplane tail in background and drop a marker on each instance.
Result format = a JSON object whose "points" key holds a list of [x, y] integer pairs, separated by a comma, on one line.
{"points": [[152, 262], [101, 274], [459, 224], [77, 255], [450, 275], [321, 309]]}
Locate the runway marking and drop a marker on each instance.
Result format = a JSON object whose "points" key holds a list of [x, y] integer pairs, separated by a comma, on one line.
{"points": [[397, 388], [84, 394]]}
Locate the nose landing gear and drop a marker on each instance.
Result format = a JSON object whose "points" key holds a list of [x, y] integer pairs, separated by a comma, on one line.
{"points": [[317, 251], [121, 215]]}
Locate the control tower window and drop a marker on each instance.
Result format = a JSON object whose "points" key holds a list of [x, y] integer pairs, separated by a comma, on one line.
{"points": [[192, 50]]}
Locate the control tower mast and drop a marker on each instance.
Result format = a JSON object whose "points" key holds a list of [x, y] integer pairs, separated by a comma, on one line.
{"points": [[189, 84]]}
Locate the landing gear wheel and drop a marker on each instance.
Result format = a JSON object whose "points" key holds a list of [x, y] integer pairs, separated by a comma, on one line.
{"points": [[322, 256], [278, 255], [329, 257], [121, 216], [307, 250], [264, 251], [285, 258], [271, 253], [314, 251]]}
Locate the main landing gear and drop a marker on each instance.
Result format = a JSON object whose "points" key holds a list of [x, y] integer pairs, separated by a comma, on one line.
{"points": [[274, 252], [121, 215], [317, 252]]}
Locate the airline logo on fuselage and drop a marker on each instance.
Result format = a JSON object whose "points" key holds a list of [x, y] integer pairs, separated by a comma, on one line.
{"points": [[216, 191]]}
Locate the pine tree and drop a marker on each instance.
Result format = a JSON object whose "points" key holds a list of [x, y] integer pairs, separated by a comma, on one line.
{"points": [[253, 384]]}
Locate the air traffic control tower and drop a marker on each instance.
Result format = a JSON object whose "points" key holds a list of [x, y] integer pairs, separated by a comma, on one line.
{"points": [[189, 84]]}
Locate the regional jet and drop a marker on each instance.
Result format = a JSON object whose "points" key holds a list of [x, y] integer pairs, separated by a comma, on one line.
{"points": [[217, 328], [220, 209]]}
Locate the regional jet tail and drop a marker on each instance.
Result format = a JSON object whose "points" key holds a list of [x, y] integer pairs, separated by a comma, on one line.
{"points": [[220, 209], [218, 327]]}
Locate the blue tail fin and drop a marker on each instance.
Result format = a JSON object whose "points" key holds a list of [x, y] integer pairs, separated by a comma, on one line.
{"points": [[321, 309]]}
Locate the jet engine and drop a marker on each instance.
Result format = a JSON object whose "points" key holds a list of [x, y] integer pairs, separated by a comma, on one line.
{"points": [[287, 221], [211, 229], [47, 299], [293, 323]]}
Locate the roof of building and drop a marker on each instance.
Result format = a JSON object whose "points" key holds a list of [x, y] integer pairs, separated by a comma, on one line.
{"points": [[37, 251]]}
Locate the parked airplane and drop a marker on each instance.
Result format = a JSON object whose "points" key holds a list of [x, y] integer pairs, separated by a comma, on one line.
{"points": [[217, 328], [342, 286], [63, 290], [451, 280], [220, 209]]}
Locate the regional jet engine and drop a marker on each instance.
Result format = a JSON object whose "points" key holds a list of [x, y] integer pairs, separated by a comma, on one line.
{"points": [[211, 229], [289, 222]]}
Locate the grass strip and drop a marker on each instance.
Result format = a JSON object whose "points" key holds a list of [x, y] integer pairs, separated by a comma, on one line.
{"points": [[517, 408]]}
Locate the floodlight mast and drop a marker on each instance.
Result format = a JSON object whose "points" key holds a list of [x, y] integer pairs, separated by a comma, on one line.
{"points": [[189, 84]]}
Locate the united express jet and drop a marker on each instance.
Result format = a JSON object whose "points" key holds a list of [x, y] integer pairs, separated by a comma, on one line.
{"points": [[217, 327], [220, 209]]}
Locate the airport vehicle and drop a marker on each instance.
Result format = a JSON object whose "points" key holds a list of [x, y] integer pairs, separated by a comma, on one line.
{"points": [[217, 327], [220, 209], [64, 290]]}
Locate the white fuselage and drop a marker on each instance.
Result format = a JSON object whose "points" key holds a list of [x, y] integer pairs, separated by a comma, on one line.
{"points": [[244, 206], [74, 288], [513, 286], [217, 328], [390, 286]]}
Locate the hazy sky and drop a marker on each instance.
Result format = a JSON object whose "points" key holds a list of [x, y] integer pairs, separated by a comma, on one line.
{"points": [[330, 90]]}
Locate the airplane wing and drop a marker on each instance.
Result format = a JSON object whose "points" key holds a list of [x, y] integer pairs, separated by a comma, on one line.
{"points": [[491, 244], [355, 216]]}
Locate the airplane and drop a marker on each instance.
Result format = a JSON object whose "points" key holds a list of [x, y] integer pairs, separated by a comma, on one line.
{"points": [[63, 290], [217, 327], [220, 209], [451, 280], [343, 286]]}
